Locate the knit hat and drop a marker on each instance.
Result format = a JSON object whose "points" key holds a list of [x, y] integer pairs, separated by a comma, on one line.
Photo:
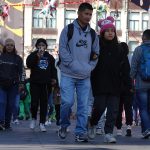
{"points": [[106, 23], [9, 41], [41, 40]]}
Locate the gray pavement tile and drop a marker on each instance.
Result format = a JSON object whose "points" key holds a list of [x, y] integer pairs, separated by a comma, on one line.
{"points": [[22, 138]]}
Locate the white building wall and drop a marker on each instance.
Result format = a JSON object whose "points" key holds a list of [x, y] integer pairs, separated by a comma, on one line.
{"points": [[60, 21], [27, 26]]}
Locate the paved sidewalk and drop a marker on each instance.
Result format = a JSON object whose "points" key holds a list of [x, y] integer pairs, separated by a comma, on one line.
{"points": [[22, 138]]}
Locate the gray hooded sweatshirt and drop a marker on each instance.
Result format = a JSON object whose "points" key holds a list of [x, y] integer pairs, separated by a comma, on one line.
{"points": [[75, 54], [135, 68]]}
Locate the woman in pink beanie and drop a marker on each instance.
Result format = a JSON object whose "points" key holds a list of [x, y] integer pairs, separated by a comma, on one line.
{"points": [[106, 79]]}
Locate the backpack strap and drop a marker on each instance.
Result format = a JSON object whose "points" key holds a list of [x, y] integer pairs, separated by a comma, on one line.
{"points": [[93, 34], [70, 31]]}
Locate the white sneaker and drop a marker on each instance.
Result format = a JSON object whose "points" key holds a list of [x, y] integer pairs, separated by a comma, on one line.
{"points": [[109, 138], [99, 131], [16, 122], [119, 132], [32, 124], [48, 122], [92, 132], [42, 127]]}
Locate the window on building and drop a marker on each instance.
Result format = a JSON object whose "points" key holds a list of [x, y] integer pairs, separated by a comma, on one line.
{"points": [[51, 44], [39, 21], [117, 16], [145, 19], [133, 45], [134, 21], [70, 15]]}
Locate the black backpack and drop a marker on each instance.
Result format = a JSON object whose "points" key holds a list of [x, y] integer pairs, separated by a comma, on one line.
{"points": [[71, 30], [70, 34]]}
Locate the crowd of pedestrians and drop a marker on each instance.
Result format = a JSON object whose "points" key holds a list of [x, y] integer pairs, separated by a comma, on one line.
{"points": [[90, 77]]}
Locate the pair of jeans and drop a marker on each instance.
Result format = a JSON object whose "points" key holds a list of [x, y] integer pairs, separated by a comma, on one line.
{"points": [[143, 99], [135, 109], [101, 102], [50, 104], [15, 112], [68, 86], [90, 102], [7, 102]]}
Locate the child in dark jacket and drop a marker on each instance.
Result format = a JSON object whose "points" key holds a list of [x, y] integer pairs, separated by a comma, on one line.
{"points": [[106, 80], [43, 75]]}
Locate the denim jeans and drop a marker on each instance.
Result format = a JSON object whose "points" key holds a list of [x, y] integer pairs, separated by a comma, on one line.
{"points": [[7, 102], [50, 104], [90, 102], [15, 112], [143, 98], [68, 86]]}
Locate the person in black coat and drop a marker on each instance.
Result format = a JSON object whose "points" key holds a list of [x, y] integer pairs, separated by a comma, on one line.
{"points": [[12, 76], [43, 75], [126, 95], [106, 80]]}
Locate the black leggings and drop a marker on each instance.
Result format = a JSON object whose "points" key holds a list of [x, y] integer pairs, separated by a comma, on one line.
{"points": [[102, 102], [126, 103], [39, 96]]}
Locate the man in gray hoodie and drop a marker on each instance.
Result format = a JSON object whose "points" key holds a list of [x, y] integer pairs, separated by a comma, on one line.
{"points": [[140, 64], [78, 58]]}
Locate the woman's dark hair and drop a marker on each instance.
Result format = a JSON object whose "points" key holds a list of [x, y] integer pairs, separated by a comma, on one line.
{"points": [[41, 40], [125, 47], [103, 40], [5, 51]]}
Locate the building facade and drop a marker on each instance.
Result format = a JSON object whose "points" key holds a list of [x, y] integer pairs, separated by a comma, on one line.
{"points": [[30, 23]]}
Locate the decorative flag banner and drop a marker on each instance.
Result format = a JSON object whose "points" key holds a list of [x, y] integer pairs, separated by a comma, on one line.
{"points": [[4, 11], [51, 5], [52, 2], [101, 8], [49, 8], [144, 4]]}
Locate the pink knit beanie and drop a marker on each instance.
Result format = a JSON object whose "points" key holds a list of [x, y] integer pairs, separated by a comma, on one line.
{"points": [[106, 23]]}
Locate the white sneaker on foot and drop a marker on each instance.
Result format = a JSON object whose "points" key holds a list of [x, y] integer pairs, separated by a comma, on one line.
{"points": [[32, 124], [48, 122], [92, 132], [119, 132], [42, 127], [109, 138], [99, 131], [16, 121]]}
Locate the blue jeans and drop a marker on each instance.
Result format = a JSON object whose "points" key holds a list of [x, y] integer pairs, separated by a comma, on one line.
{"points": [[143, 98], [7, 102], [16, 107], [50, 104], [90, 102], [67, 89]]}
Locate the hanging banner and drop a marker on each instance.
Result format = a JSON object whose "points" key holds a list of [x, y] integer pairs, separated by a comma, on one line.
{"points": [[144, 4]]}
